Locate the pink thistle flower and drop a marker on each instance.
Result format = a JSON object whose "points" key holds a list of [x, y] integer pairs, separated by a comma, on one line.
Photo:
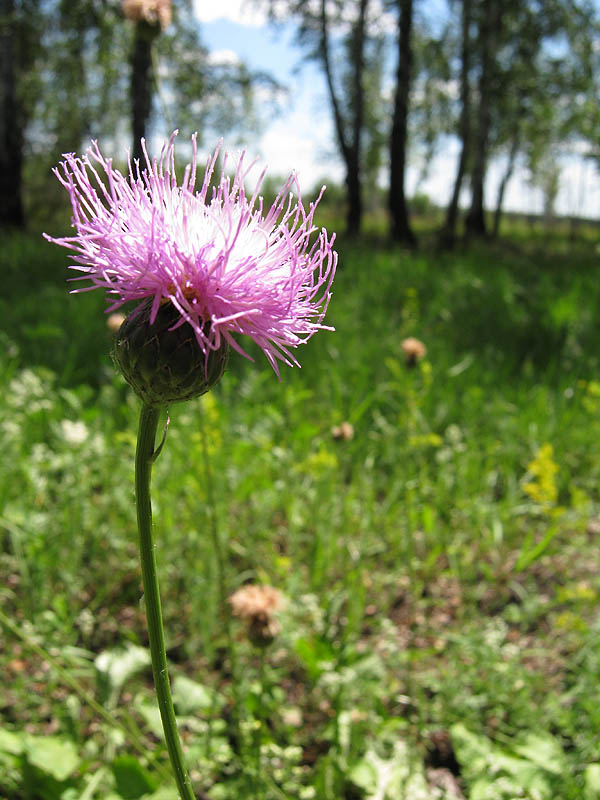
{"points": [[226, 267]]}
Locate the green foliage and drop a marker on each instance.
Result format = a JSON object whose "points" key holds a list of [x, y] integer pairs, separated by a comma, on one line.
{"points": [[439, 565], [40, 766], [400, 776], [535, 766], [131, 779], [74, 85], [115, 667]]}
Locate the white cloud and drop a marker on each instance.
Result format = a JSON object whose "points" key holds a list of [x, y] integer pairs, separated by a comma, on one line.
{"points": [[301, 138], [299, 135], [240, 11], [254, 14], [285, 147], [224, 57]]}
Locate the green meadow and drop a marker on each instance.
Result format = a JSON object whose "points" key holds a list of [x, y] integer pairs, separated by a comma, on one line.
{"points": [[438, 554]]}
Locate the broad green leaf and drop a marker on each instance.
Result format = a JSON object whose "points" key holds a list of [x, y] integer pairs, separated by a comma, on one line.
{"points": [[399, 777], [53, 755], [544, 750], [591, 777], [191, 697], [364, 774], [527, 775], [11, 742], [493, 771], [116, 666], [473, 752], [149, 710], [131, 779], [484, 789]]}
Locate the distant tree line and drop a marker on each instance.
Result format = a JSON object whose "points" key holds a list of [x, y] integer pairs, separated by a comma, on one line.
{"points": [[511, 78], [71, 70], [518, 78]]}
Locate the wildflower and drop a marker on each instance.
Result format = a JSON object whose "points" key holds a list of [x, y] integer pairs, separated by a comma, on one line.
{"points": [[414, 350], [593, 527], [257, 605], [343, 432], [292, 717], [215, 260], [74, 432], [542, 470]]}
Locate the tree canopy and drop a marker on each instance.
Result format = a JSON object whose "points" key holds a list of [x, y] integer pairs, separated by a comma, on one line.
{"points": [[514, 83]]}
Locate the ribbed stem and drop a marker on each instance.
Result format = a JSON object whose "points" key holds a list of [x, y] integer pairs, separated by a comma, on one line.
{"points": [[143, 469]]}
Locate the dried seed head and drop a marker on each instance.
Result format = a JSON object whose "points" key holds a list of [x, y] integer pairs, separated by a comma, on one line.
{"points": [[151, 11], [343, 432], [414, 350], [258, 606]]}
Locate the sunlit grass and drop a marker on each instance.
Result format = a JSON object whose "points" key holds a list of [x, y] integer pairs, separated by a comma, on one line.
{"points": [[440, 566]]}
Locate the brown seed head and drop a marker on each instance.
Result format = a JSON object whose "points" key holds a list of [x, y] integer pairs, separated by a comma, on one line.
{"points": [[151, 11], [343, 432], [257, 606], [414, 350]]}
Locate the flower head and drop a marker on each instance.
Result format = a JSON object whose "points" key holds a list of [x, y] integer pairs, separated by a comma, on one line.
{"points": [[343, 432], [150, 11], [414, 350], [225, 266], [258, 606]]}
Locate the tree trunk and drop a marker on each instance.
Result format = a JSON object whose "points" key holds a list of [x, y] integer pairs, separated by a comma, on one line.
{"points": [[512, 156], [400, 225], [12, 120], [488, 31], [447, 236], [353, 180], [350, 149], [354, 209], [141, 82]]}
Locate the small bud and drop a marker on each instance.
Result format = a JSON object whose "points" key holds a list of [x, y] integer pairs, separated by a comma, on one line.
{"points": [[164, 365]]}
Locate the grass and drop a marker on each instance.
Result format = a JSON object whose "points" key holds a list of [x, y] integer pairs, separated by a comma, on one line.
{"points": [[440, 637]]}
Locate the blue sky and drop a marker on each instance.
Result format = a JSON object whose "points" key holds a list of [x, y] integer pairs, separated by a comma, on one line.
{"points": [[261, 47], [301, 137]]}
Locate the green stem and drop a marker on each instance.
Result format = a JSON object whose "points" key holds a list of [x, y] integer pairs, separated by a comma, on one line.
{"points": [[144, 457]]}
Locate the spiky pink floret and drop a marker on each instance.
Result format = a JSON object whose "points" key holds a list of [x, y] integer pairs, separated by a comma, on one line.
{"points": [[213, 254]]}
